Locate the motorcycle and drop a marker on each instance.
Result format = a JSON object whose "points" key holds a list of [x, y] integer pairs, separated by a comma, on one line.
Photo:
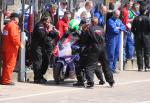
{"points": [[64, 67]]}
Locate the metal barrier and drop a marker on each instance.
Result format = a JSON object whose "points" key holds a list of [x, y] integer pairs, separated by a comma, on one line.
{"points": [[121, 52], [1, 27]]}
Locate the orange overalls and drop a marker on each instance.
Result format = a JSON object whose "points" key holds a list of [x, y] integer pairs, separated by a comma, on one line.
{"points": [[10, 46]]}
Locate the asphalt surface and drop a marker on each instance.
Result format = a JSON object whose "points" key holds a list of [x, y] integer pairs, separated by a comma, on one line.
{"points": [[130, 87]]}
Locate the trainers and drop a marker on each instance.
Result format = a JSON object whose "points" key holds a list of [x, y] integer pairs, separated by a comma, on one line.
{"points": [[40, 81], [57, 82], [140, 70], [44, 79], [89, 85], [147, 68], [101, 82], [77, 84]]}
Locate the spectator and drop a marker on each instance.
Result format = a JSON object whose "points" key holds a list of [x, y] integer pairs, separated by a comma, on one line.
{"points": [[88, 7], [110, 11], [72, 15], [133, 12], [117, 5], [124, 15], [100, 15], [62, 8], [62, 24], [141, 30], [113, 31], [10, 46], [128, 36], [83, 16], [52, 13]]}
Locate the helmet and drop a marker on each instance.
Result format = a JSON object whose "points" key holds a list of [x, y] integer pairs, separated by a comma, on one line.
{"points": [[73, 25]]}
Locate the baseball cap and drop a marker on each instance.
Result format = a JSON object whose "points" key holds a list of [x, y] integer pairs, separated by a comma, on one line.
{"points": [[13, 15]]}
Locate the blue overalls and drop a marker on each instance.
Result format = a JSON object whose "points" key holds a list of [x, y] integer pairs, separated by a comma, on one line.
{"points": [[100, 18], [113, 34], [128, 45]]}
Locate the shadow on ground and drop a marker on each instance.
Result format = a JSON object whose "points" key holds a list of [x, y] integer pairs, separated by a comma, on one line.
{"points": [[66, 83]]}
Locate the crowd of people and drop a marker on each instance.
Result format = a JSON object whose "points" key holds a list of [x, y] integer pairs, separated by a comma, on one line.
{"points": [[99, 40]]}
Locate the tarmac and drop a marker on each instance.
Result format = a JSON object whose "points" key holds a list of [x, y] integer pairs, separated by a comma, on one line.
{"points": [[131, 87]]}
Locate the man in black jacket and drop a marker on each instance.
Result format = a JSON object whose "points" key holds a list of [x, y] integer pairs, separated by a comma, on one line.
{"points": [[40, 49], [141, 30], [94, 51]]}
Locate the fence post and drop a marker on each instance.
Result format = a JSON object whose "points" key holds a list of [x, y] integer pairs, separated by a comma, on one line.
{"points": [[121, 53], [22, 71], [1, 28]]}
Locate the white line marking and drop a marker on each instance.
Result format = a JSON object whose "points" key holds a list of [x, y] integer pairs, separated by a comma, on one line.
{"points": [[133, 82], [145, 102], [69, 90], [44, 93]]}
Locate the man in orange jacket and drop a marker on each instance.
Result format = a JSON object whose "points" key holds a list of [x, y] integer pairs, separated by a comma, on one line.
{"points": [[10, 46]]}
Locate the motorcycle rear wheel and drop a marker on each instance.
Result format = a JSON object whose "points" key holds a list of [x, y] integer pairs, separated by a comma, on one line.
{"points": [[57, 73]]}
